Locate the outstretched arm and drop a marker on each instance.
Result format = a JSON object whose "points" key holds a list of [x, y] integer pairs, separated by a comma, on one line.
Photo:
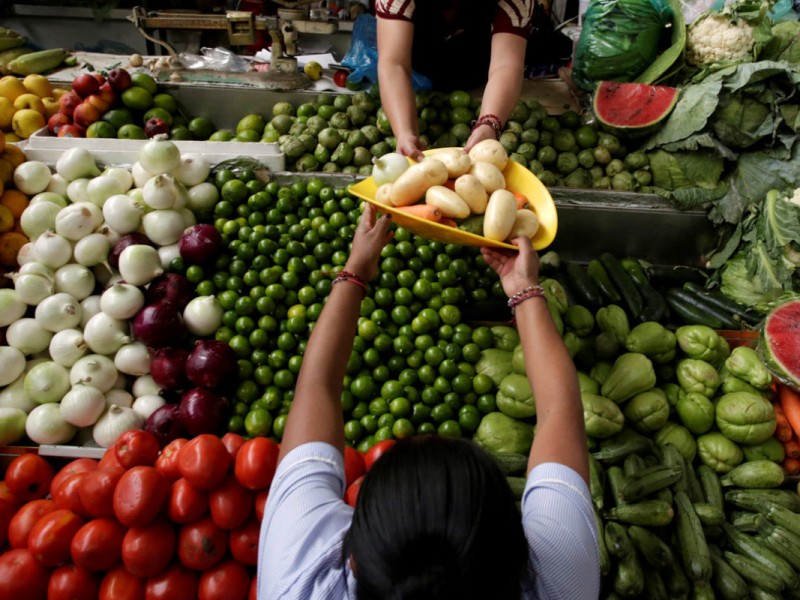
{"points": [[316, 413], [560, 433]]}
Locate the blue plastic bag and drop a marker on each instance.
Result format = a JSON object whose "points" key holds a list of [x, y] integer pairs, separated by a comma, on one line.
{"points": [[362, 57]]}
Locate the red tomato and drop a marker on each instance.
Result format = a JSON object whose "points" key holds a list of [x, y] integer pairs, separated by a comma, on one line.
{"points": [[256, 463], [232, 442], [253, 593], [28, 477], [67, 494], [110, 462], [351, 495], [51, 537], [146, 551], [136, 447], [167, 461], [69, 582], [8, 508], [6, 495], [118, 584], [174, 583], [201, 544], [354, 466], [376, 452], [260, 503], [97, 491], [244, 542], [204, 461], [79, 465], [140, 496], [26, 517], [229, 580], [340, 78], [98, 545], [230, 504], [22, 576], [186, 502]]}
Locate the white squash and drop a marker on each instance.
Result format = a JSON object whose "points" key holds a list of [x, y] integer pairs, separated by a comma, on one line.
{"points": [[526, 224], [456, 160], [447, 201], [472, 192], [489, 175], [490, 151], [384, 193], [501, 212], [415, 181]]}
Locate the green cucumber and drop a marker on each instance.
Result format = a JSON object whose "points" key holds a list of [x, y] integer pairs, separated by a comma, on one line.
{"points": [[623, 282], [635, 270], [674, 275], [694, 309], [583, 286], [722, 302], [597, 272]]}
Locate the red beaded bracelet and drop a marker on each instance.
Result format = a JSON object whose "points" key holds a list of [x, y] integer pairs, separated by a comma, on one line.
{"points": [[353, 278], [492, 121], [532, 291]]}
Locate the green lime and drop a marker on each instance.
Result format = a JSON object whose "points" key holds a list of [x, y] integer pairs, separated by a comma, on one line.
{"points": [[101, 129], [283, 108], [145, 81], [180, 133], [158, 113], [248, 135], [221, 135], [201, 128], [258, 422], [166, 101], [459, 98], [118, 117], [137, 98]]}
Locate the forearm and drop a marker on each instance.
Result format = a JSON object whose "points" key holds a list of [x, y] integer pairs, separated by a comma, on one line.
{"points": [[397, 98], [560, 433], [506, 72]]}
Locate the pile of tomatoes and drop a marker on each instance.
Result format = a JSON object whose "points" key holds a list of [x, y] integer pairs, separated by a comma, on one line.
{"points": [[176, 523]]}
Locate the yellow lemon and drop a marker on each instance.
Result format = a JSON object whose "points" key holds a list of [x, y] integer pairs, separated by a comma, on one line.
{"points": [[31, 101], [313, 70], [11, 87], [26, 122], [51, 106], [38, 84], [7, 111], [58, 92]]}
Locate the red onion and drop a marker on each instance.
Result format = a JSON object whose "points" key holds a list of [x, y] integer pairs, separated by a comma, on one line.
{"points": [[168, 368], [127, 240], [200, 243], [211, 364], [202, 411], [170, 287], [165, 424], [158, 325]]}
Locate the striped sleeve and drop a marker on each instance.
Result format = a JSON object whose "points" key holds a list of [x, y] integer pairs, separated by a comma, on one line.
{"points": [[558, 518], [395, 9], [513, 16]]}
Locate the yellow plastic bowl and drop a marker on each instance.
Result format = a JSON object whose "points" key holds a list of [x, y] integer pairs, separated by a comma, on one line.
{"points": [[518, 179]]}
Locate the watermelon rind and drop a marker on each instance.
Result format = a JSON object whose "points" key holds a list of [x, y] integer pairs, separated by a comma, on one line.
{"points": [[632, 109], [779, 343]]}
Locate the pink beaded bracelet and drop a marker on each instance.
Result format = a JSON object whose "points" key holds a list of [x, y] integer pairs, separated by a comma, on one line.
{"points": [[352, 278], [492, 121], [532, 291]]}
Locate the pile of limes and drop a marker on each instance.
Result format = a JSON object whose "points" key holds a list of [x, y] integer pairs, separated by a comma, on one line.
{"points": [[412, 366]]}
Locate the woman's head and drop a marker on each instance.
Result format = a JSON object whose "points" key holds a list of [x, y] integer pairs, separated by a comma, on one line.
{"points": [[435, 518]]}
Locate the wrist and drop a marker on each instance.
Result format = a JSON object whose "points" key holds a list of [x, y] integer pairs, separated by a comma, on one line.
{"points": [[523, 294]]}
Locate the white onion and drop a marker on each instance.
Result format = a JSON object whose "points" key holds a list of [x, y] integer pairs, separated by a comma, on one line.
{"points": [[147, 405], [137, 195], [140, 174], [26, 254], [78, 220], [182, 198], [105, 334], [111, 234], [144, 385], [45, 425], [76, 163], [203, 315], [168, 253], [32, 177], [82, 405], [57, 199], [47, 382], [121, 382], [388, 167], [159, 156], [58, 312], [119, 397], [36, 268], [139, 264], [90, 306], [11, 306], [122, 175], [28, 336], [12, 364], [75, 279], [133, 359], [92, 249], [78, 190], [67, 346], [160, 192], [193, 169], [121, 301], [113, 423], [37, 219], [163, 227], [202, 197], [32, 288], [122, 213], [14, 396], [102, 188], [52, 250], [95, 370], [189, 219], [58, 185]]}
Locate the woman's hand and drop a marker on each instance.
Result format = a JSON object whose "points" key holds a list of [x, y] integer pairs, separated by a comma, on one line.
{"points": [[370, 238], [480, 133], [517, 270], [410, 145]]}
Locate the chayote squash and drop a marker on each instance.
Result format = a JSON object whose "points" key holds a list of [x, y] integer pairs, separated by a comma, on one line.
{"points": [[555, 314], [606, 346], [647, 411], [651, 339], [518, 360], [772, 450], [745, 364], [678, 435], [495, 363], [631, 374], [602, 417], [587, 384], [613, 319], [515, 397], [579, 319], [500, 433], [555, 292], [505, 337], [699, 342], [730, 383], [600, 371], [697, 376], [696, 412], [745, 418], [718, 452]]}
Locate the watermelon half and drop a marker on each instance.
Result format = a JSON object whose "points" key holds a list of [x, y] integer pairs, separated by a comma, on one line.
{"points": [[632, 109], [780, 342]]}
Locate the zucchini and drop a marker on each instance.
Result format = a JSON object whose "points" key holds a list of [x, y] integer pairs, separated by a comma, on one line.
{"points": [[755, 500], [655, 306], [629, 576], [517, 485], [725, 578], [596, 482], [755, 474], [674, 275], [750, 547], [584, 288], [694, 310], [753, 572], [781, 541], [691, 540], [648, 481], [673, 458], [623, 282], [634, 268], [709, 515], [617, 447], [614, 478], [598, 274], [654, 587], [722, 302], [511, 463], [783, 517], [757, 593], [748, 522], [693, 488], [675, 579], [655, 551], [652, 513], [712, 490], [617, 540], [703, 591], [602, 548], [633, 463]]}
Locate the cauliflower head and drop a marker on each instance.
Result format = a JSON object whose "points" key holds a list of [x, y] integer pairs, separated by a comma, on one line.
{"points": [[715, 37]]}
